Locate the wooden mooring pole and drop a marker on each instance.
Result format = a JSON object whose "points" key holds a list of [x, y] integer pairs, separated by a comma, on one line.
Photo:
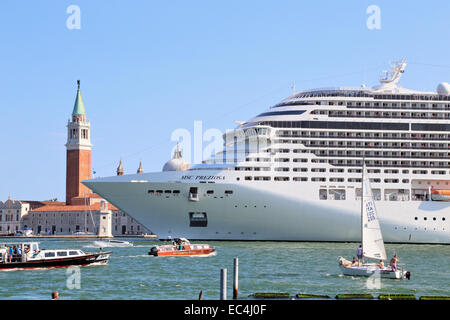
{"points": [[223, 284], [235, 278]]}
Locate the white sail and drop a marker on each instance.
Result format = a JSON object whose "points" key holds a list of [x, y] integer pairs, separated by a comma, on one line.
{"points": [[372, 239]]}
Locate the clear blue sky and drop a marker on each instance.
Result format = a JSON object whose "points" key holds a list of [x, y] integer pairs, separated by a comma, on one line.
{"points": [[150, 67]]}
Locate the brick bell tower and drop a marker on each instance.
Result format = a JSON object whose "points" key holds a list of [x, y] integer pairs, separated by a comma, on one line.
{"points": [[78, 164]]}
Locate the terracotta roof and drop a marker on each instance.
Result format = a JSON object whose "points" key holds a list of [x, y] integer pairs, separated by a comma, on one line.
{"points": [[56, 208]]}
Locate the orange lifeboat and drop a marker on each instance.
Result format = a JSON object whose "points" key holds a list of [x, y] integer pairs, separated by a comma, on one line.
{"points": [[440, 195], [182, 247]]}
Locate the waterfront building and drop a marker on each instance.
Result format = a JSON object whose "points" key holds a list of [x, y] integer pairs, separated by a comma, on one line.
{"points": [[177, 163], [82, 210], [120, 171], [12, 213], [78, 163], [140, 169]]}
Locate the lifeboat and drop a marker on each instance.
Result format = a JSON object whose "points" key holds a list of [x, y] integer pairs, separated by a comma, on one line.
{"points": [[182, 247], [440, 195]]}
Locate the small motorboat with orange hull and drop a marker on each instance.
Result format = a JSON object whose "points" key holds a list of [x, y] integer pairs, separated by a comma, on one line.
{"points": [[440, 195], [182, 247]]}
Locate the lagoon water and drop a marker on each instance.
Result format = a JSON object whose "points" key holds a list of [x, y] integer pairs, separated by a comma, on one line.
{"points": [[293, 267]]}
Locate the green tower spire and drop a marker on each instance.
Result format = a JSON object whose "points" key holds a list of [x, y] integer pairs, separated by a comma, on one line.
{"points": [[78, 108]]}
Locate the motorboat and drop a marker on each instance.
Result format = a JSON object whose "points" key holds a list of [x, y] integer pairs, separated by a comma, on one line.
{"points": [[440, 195], [112, 243], [182, 247], [372, 246], [28, 255]]}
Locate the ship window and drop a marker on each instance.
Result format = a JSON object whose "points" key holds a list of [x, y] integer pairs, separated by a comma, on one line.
{"points": [[159, 191], [336, 194], [73, 253], [198, 219], [176, 191], [193, 190], [210, 191], [62, 253], [49, 254], [228, 191], [168, 191]]}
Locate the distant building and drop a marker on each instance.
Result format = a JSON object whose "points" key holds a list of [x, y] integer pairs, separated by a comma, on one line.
{"points": [[177, 163], [12, 213], [82, 209]]}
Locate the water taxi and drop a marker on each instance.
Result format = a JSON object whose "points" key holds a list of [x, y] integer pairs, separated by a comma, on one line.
{"points": [[27, 255], [182, 247]]}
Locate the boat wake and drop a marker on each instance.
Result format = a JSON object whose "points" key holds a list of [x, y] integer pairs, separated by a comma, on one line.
{"points": [[109, 244]]}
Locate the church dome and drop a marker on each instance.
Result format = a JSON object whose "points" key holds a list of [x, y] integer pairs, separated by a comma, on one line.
{"points": [[177, 163], [443, 88]]}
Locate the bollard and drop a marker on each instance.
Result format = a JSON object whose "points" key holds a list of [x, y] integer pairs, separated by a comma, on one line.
{"points": [[236, 278], [223, 284]]}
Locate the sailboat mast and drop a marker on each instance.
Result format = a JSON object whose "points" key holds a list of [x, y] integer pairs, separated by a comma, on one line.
{"points": [[362, 203]]}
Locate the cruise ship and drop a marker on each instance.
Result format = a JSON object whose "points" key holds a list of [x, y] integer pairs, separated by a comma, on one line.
{"points": [[293, 172]]}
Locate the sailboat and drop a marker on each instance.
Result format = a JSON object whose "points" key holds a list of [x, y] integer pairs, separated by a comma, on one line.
{"points": [[371, 239]]}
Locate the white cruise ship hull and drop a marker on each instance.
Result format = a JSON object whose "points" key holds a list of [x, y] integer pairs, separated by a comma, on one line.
{"points": [[260, 210]]}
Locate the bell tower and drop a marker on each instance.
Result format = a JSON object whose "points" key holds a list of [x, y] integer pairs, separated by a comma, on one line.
{"points": [[78, 163]]}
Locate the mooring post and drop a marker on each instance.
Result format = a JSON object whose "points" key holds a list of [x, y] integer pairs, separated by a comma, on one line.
{"points": [[236, 278], [223, 284]]}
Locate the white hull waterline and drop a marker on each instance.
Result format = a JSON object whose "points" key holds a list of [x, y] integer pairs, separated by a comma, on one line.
{"points": [[268, 211], [371, 270]]}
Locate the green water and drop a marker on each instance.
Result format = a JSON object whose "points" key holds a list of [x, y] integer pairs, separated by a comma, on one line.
{"points": [[293, 267]]}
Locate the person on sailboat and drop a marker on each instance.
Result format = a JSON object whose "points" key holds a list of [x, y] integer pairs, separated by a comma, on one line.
{"points": [[393, 263], [359, 253], [381, 264]]}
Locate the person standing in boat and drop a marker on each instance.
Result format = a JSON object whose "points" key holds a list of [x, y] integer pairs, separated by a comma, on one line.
{"points": [[359, 254], [19, 254], [10, 254], [393, 263]]}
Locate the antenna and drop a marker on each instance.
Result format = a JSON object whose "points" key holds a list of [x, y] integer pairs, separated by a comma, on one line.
{"points": [[392, 77], [293, 88]]}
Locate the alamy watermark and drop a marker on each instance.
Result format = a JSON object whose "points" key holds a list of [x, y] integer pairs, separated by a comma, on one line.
{"points": [[374, 281], [74, 277], [74, 20], [226, 147], [374, 20]]}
